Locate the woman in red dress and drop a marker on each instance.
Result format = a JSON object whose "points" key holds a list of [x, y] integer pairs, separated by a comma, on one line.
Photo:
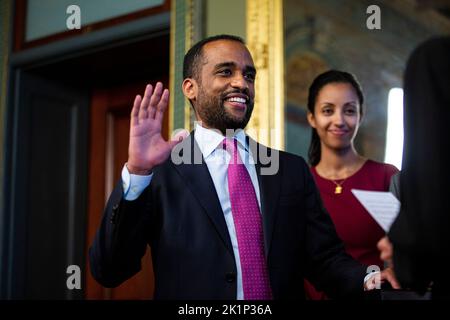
{"points": [[335, 109]]}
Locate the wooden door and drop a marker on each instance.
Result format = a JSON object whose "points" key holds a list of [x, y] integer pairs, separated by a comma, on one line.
{"points": [[110, 123], [45, 195]]}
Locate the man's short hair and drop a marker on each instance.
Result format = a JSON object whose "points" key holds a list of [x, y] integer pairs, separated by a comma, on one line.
{"points": [[193, 57]]}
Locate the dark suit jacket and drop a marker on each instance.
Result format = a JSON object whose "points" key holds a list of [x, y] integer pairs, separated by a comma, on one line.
{"points": [[180, 217]]}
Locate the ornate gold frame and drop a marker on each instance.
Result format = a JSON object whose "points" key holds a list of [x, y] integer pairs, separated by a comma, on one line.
{"points": [[265, 41], [181, 33]]}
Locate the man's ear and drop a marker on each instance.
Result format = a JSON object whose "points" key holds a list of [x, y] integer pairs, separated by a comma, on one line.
{"points": [[190, 88], [311, 119]]}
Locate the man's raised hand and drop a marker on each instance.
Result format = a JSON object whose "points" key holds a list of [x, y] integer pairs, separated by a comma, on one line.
{"points": [[147, 147]]}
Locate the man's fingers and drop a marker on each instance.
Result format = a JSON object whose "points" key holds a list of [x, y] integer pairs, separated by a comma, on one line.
{"points": [[145, 102], [135, 110], [178, 137], [155, 99], [382, 243], [394, 283], [386, 251], [388, 274], [146, 107], [385, 255], [162, 106]]}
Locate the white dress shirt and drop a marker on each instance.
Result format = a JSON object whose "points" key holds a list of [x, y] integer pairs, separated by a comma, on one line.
{"points": [[216, 159]]}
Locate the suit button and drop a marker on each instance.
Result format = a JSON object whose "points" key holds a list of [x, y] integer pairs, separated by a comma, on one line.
{"points": [[114, 213], [230, 277]]}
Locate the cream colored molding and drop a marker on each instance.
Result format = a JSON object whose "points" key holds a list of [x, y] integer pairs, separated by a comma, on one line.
{"points": [[189, 32], [182, 37], [265, 42], [171, 112]]}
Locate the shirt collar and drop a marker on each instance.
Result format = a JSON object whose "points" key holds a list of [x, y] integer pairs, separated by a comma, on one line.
{"points": [[208, 140]]}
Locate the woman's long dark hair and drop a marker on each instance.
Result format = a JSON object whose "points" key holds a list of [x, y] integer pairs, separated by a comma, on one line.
{"points": [[331, 76]]}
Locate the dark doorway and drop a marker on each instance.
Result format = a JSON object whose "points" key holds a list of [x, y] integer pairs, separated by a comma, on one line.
{"points": [[59, 131]]}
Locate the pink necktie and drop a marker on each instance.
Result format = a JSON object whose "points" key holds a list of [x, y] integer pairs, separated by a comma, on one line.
{"points": [[248, 224]]}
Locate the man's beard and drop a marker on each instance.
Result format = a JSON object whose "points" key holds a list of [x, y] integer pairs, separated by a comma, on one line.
{"points": [[211, 110]]}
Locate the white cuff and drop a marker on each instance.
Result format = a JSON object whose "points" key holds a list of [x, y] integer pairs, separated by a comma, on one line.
{"points": [[368, 276], [134, 184]]}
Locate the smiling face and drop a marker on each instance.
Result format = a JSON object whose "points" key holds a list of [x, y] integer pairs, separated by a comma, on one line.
{"points": [[337, 115], [223, 95]]}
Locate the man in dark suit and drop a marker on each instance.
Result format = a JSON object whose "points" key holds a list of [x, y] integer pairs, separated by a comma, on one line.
{"points": [[222, 223]]}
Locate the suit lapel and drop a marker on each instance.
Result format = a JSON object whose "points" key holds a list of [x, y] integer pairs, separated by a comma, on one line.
{"points": [[200, 183], [269, 186]]}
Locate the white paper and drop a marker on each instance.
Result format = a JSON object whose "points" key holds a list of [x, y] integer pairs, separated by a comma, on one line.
{"points": [[382, 206]]}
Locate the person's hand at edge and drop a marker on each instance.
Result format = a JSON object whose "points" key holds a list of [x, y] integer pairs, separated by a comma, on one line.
{"points": [[147, 148]]}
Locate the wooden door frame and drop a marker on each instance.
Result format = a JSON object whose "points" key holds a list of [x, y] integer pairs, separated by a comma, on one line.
{"points": [[48, 54]]}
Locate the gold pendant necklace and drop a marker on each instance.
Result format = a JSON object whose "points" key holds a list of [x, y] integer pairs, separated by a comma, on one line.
{"points": [[338, 189]]}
